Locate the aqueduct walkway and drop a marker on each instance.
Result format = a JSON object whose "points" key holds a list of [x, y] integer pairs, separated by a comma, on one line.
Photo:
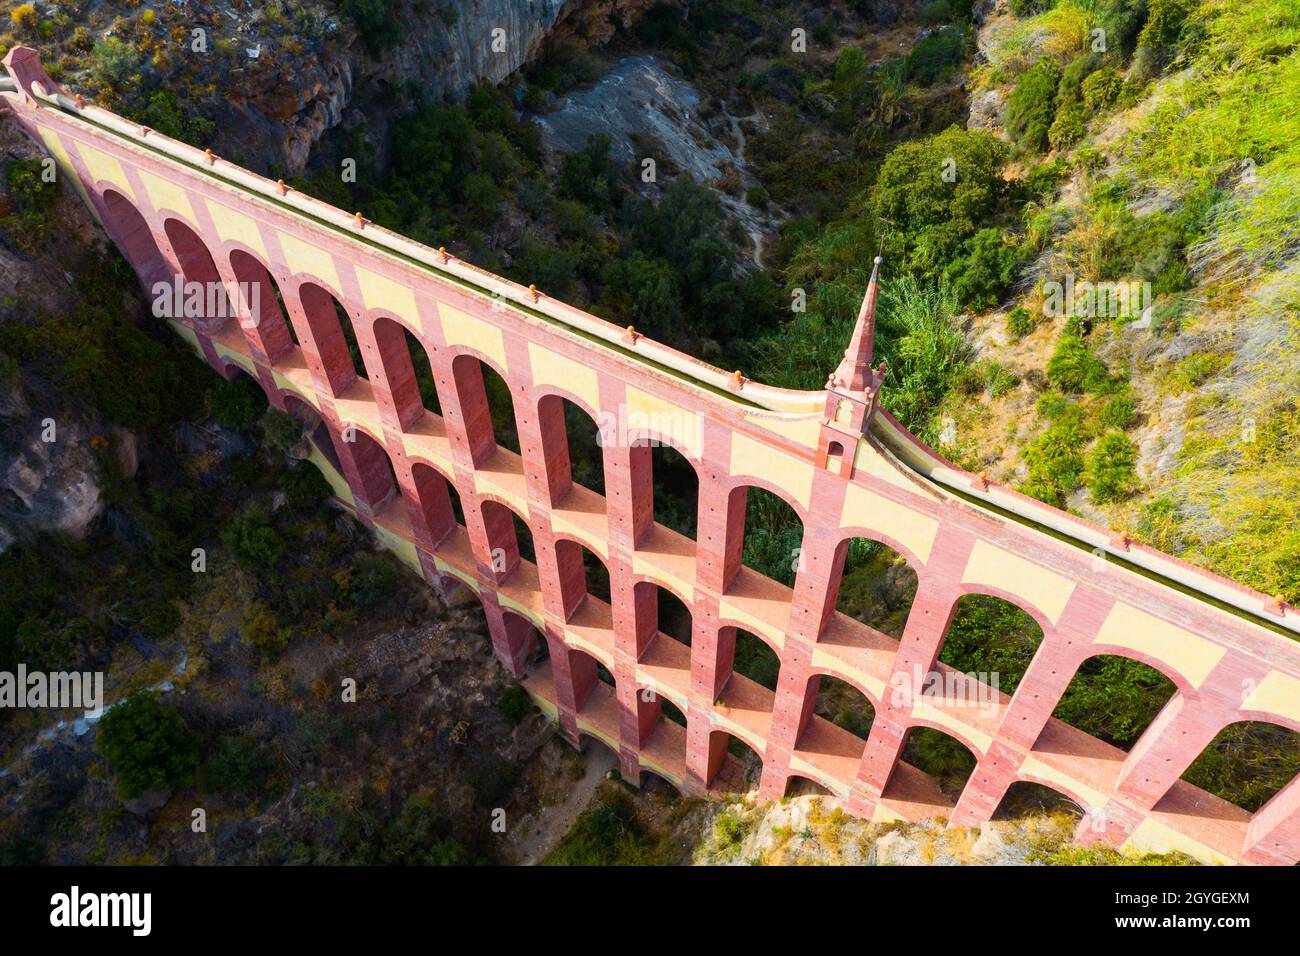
{"points": [[842, 463]]}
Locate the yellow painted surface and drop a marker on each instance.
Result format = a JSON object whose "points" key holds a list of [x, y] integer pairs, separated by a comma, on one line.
{"points": [[589, 728], [573, 640], [754, 459], [380, 292], [885, 815], [239, 358], [1068, 785], [101, 166], [650, 411], [868, 460], [1152, 836], [236, 227], [164, 194], [185, 332], [335, 479], [923, 710], [802, 431], [913, 530], [805, 769], [1277, 693], [750, 622], [992, 567], [461, 328], [643, 568], [1193, 657], [823, 660], [522, 609], [464, 577], [404, 550], [304, 257], [551, 368]]}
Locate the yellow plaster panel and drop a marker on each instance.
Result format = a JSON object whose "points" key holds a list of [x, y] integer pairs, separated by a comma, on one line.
{"points": [[101, 166], [913, 530], [1152, 836], [822, 660], [749, 457], [649, 411], [380, 292], [236, 227], [551, 368], [1277, 693], [336, 480], [753, 623], [187, 333], [1044, 589], [304, 257], [1068, 785], [403, 549], [642, 567], [885, 815], [805, 769], [802, 431], [868, 460], [165, 194], [461, 328], [238, 358], [924, 710], [1192, 656]]}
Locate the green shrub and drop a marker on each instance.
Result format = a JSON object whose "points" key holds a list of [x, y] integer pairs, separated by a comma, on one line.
{"points": [[1032, 105], [147, 744], [985, 271], [1118, 412], [1068, 128], [304, 486], [255, 544], [237, 766], [1073, 368], [376, 23], [514, 704], [113, 62], [934, 55], [1110, 473], [1028, 8], [1020, 322], [238, 403], [1165, 19], [33, 198], [1101, 89], [261, 631]]}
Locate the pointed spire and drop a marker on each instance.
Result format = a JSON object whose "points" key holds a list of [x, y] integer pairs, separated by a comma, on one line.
{"points": [[854, 373]]}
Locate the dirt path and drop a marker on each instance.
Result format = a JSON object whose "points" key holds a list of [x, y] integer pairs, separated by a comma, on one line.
{"points": [[545, 828]]}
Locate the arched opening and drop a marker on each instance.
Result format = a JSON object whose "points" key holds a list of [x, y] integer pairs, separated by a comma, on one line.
{"points": [[486, 406], [265, 305], [797, 786], [1114, 698], [586, 673], [987, 635], [509, 538], [317, 432], [670, 711], [134, 238], [675, 487], [1025, 798], [376, 478], [570, 447], [407, 368], [1247, 763], [876, 584], [843, 705], [751, 656], [769, 539], [332, 334], [674, 617], [524, 641], [197, 266], [942, 756], [581, 573], [834, 456], [439, 503], [732, 762], [660, 787]]}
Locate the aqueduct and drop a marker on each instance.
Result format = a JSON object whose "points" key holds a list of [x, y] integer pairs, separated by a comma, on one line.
{"points": [[836, 457]]}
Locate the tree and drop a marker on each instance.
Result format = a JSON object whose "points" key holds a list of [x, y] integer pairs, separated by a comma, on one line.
{"points": [[147, 744], [933, 194]]}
